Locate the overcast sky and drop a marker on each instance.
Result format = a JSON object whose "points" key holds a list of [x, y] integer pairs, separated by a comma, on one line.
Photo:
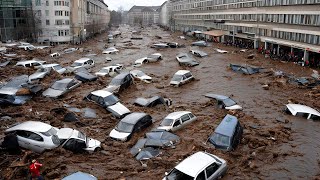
{"points": [[127, 4]]}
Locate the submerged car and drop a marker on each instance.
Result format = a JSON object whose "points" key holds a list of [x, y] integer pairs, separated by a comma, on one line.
{"points": [[61, 87], [39, 74], [151, 58], [110, 70], [149, 102], [30, 63], [181, 77], [198, 53], [36, 136], [160, 46], [200, 43], [176, 120], [185, 60], [9, 98], [110, 50], [221, 51], [130, 124], [56, 67], [228, 134], [200, 165], [85, 76], [224, 102], [141, 76], [76, 141], [108, 101], [245, 69], [70, 50], [82, 63], [302, 111], [80, 176], [120, 82]]}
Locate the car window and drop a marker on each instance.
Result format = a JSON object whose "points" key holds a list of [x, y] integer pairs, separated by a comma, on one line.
{"points": [[305, 115], [35, 137], [24, 134], [185, 118], [93, 98], [28, 65], [184, 77], [314, 117], [177, 123], [191, 115], [35, 64], [188, 75], [72, 84], [201, 176], [90, 62], [75, 145], [100, 100], [211, 169]]}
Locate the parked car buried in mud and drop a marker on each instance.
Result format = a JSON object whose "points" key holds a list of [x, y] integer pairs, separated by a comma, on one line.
{"points": [[130, 124], [141, 76], [36, 136], [177, 120], [200, 165], [228, 134], [30, 63], [56, 67], [39, 74], [160, 46], [185, 60], [224, 102], [83, 62], [76, 141], [200, 43], [302, 111], [110, 70], [150, 102], [108, 101], [198, 53], [110, 50], [61, 87], [181, 77], [119, 83], [70, 50]]}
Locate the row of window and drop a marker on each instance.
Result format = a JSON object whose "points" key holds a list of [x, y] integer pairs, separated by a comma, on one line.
{"points": [[38, 2], [292, 36], [92, 8], [299, 19], [63, 32], [61, 3], [61, 13]]}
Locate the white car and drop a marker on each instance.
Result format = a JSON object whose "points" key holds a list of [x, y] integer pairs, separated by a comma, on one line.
{"points": [[141, 75], [303, 111], [224, 102], [151, 58], [221, 51], [110, 50], [110, 70], [200, 165], [70, 50], [36, 136], [83, 62], [176, 120], [26, 46], [181, 77], [56, 67], [141, 61], [56, 54], [76, 141], [30, 63]]}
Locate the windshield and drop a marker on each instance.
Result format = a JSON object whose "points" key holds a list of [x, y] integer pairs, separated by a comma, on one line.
{"points": [[50, 132], [175, 174], [59, 86], [176, 78], [75, 64], [229, 102], [124, 127], [140, 74], [42, 70], [220, 140], [116, 82], [57, 67], [166, 122], [111, 100]]}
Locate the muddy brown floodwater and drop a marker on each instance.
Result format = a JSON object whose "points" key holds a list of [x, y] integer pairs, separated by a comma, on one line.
{"points": [[274, 145]]}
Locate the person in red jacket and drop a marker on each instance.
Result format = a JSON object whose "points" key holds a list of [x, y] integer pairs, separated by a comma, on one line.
{"points": [[35, 170]]}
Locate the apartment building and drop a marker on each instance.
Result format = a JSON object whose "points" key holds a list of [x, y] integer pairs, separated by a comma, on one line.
{"points": [[16, 20], [143, 15], [293, 24], [65, 21]]}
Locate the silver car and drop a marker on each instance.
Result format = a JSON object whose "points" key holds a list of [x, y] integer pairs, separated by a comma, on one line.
{"points": [[177, 120], [61, 87], [36, 136]]}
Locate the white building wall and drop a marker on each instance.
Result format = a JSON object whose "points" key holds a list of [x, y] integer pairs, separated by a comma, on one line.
{"points": [[164, 15]]}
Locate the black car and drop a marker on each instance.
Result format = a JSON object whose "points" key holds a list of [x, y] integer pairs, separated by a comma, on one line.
{"points": [[130, 124], [120, 82], [228, 134]]}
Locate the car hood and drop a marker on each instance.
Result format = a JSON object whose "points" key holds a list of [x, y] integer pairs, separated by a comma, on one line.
{"points": [[118, 109], [112, 89], [92, 143], [234, 107], [37, 75], [52, 93], [119, 135]]}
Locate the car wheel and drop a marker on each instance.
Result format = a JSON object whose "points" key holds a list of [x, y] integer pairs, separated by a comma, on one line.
{"points": [[97, 149]]}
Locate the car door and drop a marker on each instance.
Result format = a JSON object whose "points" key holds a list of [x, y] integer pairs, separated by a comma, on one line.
{"points": [[101, 102], [185, 119], [213, 172], [22, 137], [201, 176], [176, 125], [146, 121], [184, 79], [36, 142]]}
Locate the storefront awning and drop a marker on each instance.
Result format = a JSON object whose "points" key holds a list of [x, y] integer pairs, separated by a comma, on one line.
{"points": [[214, 33]]}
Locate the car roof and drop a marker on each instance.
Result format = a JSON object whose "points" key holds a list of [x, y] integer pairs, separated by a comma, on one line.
{"points": [[295, 108], [29, 61], [182, 72], [35, 126], [133, 118], [140, 60], [193, 164], [101, 93], [227, 125], [177, 114], [136, 71], [66, 133], [121, 75], [216, 96], [82, 60]]}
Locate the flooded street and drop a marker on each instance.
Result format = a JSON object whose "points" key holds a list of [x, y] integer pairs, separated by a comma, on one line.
{"points": [[275, 145]]}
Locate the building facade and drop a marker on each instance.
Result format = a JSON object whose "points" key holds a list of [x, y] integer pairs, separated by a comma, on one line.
{"points": [[17, 20], [143, 15], [290, 23]]}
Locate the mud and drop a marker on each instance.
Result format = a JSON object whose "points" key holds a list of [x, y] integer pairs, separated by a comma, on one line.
{"points": [[274, 145]]}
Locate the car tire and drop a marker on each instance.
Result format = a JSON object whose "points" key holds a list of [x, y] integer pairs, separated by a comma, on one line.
{"points": [[97, 149]]}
